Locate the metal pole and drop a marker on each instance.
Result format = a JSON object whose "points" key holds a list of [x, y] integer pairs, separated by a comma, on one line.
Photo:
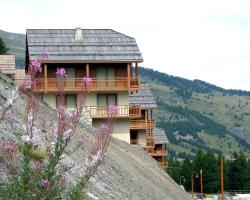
{"points": [[222, 178], [201, 184]]}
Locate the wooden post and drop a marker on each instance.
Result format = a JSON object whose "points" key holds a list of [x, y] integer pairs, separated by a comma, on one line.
{"points": [[45, 78], [128, 75], [87, 70], [136, 75], [222, 177], [201, 185]]}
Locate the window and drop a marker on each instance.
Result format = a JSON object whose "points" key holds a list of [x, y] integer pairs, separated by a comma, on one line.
{"points": [[107, 74], [70, 81], [70, 100], [106, 99]]}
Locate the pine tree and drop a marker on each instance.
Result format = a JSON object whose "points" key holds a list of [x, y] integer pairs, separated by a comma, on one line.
{"points": [[210, 173], [237, 172], [3, 47], [186, 171]]}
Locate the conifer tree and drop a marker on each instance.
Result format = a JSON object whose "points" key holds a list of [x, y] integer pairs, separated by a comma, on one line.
{"points": [[3, 47]]}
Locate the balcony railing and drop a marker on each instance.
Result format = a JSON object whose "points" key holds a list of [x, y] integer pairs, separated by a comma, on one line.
{"points": [[134, 141], [164, 164], [141, 124], [102, 111], [159, 153], [98, 84]]}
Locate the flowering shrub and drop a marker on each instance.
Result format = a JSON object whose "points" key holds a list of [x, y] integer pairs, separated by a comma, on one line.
{"points": [[33, 166]]}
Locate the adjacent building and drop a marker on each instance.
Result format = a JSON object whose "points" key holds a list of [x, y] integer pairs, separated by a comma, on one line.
{"points": [[143, 131], [7, 65]]}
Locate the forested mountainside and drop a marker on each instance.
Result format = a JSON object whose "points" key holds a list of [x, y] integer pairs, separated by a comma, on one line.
{"points": [[196, 114]]}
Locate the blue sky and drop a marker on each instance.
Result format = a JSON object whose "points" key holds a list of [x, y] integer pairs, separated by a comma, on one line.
{"points": [[195, 39]]}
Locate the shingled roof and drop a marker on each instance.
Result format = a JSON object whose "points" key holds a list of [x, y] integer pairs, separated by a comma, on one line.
{"points": [[7, 64], [82, 45], [160, 136], [143, 97]]}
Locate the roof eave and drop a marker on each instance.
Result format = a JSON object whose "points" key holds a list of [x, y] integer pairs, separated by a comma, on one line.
{"points": [[92, 61]]}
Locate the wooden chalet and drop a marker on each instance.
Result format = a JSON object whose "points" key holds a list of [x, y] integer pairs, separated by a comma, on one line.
{"points": [[142, 129], [7, 65], [110, 58]]}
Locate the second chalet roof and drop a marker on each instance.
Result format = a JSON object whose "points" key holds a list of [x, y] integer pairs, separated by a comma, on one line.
{"points": [[160, 136], [143, 97], [80, 45]]}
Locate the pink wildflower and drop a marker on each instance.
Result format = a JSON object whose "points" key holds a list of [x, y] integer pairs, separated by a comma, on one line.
{"points": [[10, 147], [88, 81], [9, 116], [44, 182], [61, 72], [93, 160], [53, 130], [103, 127], [36, 66], [28, 83], [113, 109], [61, 110], [33, 194], [35, 140], [67, 134]]}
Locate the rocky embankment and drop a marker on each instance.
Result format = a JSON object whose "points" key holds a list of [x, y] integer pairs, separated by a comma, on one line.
{"points": [[127, 172]]}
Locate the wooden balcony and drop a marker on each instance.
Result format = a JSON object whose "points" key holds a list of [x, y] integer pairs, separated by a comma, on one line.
{"points": [[135, 111], [163, 164], [159, 153], [98, 84], [124, 111], [102, 111], [141, 124]]}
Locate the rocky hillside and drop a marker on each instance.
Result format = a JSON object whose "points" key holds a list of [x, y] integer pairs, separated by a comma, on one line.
{"points": [[127, 173]]}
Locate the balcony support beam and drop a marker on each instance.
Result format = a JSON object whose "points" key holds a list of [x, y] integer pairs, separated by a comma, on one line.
{"points": [[45, 78], [136, 70]]}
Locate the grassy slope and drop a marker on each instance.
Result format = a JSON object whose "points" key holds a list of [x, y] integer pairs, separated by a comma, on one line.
{"points": [[224, 109]]}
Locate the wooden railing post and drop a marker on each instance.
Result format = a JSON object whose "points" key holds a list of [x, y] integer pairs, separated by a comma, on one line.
{"points": [[45, 78], [128, 70], [87, 70]]}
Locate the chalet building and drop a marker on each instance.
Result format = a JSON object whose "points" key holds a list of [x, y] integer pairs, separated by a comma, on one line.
{"points": [[7, 65], [111, 60], [142, 129], [108, 57]]}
